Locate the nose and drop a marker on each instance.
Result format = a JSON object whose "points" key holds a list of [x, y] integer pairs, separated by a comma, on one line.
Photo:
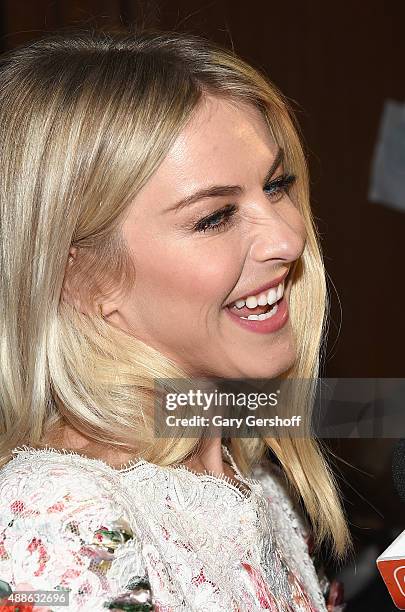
{"points": [[278, 234]]}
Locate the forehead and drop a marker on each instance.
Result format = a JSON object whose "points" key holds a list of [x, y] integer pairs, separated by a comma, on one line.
{"points": [[225, 142], [217, 122], [220, 131]]}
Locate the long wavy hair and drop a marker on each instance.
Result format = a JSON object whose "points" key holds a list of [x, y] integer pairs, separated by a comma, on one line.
{"points": [[86, 117]]}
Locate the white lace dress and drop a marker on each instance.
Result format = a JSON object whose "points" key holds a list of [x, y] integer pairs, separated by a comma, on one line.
{"points": [[148, 537]]}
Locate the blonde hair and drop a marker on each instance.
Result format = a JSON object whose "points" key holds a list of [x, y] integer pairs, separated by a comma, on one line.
{"points": [[86, 119]]}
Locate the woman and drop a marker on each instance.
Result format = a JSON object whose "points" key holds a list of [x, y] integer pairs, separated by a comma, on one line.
{"points": [[150, 182]]}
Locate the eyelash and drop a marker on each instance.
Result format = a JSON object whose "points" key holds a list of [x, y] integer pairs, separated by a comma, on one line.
{"points": [[281, 185]]}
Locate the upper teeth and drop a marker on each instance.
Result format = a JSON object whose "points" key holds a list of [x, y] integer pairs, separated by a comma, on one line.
{"points": [[269, 297]]}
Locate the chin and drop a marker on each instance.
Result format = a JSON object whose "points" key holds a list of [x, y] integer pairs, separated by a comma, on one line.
{"points": [[271, 363], [268, 370], [272, 366]]}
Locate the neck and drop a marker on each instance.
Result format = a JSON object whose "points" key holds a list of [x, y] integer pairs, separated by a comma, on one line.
{"points": [[209, 457]]}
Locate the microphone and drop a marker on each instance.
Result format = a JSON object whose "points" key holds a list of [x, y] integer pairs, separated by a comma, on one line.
{"points": [[391, 563]]}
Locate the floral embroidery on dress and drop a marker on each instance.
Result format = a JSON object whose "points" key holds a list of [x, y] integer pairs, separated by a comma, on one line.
{"points": [[152, 538], [54, 539], [138, 598]]}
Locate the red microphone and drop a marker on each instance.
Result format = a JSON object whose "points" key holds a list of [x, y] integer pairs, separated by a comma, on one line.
{"points": [[391, 565]]}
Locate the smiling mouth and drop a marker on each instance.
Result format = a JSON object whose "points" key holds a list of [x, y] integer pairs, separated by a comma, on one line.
{"points": [[259, 313], [259, 307]]}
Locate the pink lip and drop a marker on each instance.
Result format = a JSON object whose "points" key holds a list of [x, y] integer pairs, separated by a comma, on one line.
{"points": [[267, 326], [263, 288]]}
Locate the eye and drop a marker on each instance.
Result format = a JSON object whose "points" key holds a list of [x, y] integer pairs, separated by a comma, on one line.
{"points": [[276, 189], [280, 186], [217, 221]]}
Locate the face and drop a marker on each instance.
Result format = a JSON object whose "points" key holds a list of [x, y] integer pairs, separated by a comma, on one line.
{"points": [[192, 262]]}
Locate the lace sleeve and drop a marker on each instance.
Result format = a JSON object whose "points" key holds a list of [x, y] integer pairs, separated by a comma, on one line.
{"points": [[62, 531]]}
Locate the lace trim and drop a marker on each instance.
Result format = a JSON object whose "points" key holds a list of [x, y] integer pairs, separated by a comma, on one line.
{"points": [[252, 484]]}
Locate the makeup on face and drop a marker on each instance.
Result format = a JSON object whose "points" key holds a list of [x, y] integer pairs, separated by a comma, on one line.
{"points": [[215, 226]]}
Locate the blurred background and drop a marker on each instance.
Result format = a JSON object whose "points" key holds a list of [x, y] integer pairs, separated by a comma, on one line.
{"points": [[338, 64]]}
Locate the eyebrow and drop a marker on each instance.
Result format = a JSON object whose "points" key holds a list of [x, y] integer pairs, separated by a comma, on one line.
{"points": [[215, 191]]}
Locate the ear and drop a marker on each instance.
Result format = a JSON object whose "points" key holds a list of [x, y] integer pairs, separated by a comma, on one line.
{"points": [[70, 294], [72, 255]]}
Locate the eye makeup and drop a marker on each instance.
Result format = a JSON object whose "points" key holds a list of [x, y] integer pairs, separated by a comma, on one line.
{"points": [[275, 190]]}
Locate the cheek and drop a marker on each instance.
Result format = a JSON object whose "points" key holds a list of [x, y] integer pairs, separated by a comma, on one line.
{"points": [[203, 268]]}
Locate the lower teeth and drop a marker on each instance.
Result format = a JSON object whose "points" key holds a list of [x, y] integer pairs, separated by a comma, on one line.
{"points": [[262, 317]]}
